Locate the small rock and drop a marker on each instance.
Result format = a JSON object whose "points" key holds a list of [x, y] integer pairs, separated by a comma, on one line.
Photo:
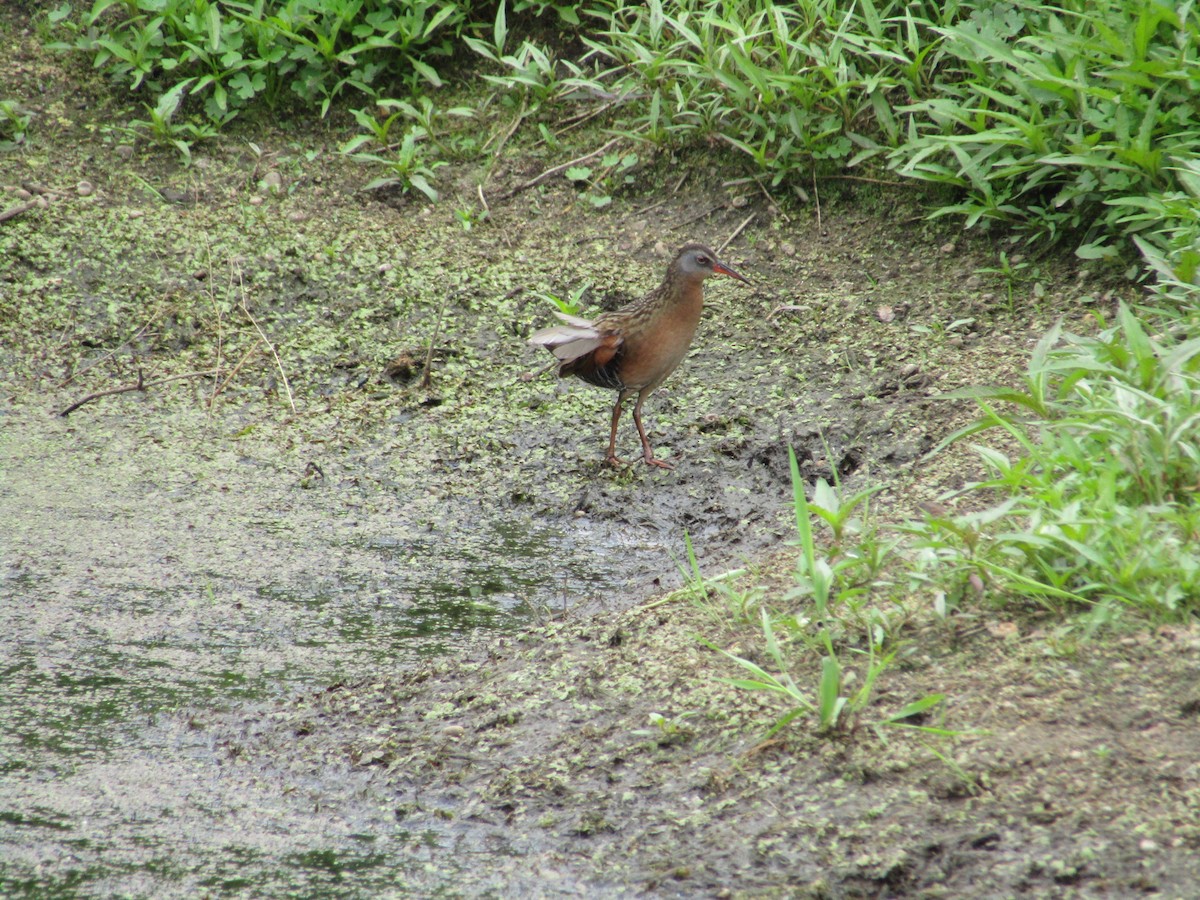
{"points": [[85, 189], [947, 247], [124, 152], [296, 216], [454, 731], [739, 202], [788, 248], [22, 194], [271, 183], [256, 201], [384, 268], [1147, 846], [885, 314], [910, 369]]}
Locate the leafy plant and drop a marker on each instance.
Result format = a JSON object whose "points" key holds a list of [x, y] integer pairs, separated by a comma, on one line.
{"points": [[235, 51], [1097, 513], [571, 305], [613, 173], [14, 125], [162, 127], [406, 165], [839, 698]]}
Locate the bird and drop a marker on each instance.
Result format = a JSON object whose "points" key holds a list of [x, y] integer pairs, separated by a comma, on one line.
{"points": [[632, 350]]}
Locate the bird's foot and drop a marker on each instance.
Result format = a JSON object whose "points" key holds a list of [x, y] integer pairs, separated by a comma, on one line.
{"points": [[613, 460], [655, 461]]}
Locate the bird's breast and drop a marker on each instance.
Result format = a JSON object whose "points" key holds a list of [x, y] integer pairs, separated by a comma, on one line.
{"points": [[655, 350]]}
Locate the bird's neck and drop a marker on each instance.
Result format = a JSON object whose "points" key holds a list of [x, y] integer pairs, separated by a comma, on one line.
{"points": [[679, 289]]}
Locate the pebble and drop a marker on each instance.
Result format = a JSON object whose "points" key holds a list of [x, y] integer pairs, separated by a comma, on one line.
{"points": [[272, 183], [85, 189], [788, 248], [739, 202], [947, 247], [124, 151]]}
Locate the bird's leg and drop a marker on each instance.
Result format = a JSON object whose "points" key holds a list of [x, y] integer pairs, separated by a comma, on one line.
{"points": [[611, 459], [647, 452]]}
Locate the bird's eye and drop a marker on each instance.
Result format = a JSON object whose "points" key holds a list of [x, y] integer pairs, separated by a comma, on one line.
{"points": [[704, 260]]}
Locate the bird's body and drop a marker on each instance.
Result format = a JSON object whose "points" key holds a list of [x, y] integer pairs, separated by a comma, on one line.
{"points": [[635, 348]]}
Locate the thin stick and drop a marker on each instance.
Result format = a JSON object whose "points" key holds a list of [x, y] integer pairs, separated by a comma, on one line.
{"points": [[868, 180], [278, 362], [533, 182], [729, 240], [507, 134], [762, 187], [790, 307], [579, 120], [483, 199], [220, 388], [646, 209], [504, 140], [817, 198], [696, 218], [110, 354], [212, 296], [141, 385], [13, 211], [427, 375]]}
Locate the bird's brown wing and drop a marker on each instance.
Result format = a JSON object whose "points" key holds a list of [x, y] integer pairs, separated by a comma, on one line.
{"points": [[585, 350], [599, 365]]}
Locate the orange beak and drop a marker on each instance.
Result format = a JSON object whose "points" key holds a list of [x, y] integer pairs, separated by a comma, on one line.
{"points": [[721, 269]]}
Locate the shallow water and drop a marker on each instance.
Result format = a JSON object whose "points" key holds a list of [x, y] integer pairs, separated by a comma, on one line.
{"points": [[155, 573]]}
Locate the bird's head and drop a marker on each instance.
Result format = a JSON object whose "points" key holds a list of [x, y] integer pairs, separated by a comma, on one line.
{"points": [[697, 261]]}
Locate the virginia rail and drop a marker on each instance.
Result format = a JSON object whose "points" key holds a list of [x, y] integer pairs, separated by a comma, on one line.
{"points": [[634, 349]]}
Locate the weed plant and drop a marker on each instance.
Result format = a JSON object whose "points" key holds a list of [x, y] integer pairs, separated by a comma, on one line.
{"points": [[1073, 120], [1098, 513], [817, 619]]}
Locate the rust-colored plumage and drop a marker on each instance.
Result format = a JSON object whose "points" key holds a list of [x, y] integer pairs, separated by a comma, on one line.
{"points": [[634, 349]]}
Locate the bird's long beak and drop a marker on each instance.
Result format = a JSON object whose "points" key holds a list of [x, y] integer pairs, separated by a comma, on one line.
{"points": [[721, 269]]}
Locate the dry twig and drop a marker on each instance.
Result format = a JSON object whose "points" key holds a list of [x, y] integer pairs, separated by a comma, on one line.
{"points": [[533, 182], [141, 385], [729, 240]]}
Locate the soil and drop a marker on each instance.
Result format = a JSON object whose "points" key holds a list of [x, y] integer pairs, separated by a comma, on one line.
{"points": [[353, 606]]}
